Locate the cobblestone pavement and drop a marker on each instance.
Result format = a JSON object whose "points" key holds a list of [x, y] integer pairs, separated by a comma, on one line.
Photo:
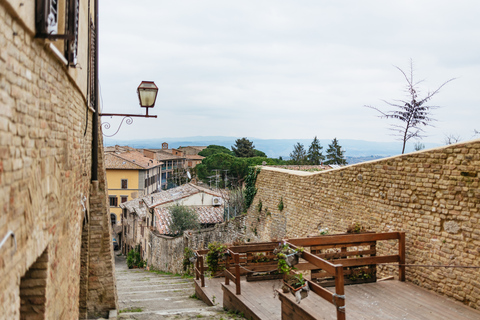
{"points": [[147, 295]]}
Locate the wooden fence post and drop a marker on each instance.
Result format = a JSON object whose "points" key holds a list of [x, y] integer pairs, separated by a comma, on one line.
{"points": [[339, 297], [237, 272], [401, 253]]}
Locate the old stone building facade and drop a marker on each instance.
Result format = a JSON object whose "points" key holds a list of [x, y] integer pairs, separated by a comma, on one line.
{"points": [[56, 257], [432, 195]]}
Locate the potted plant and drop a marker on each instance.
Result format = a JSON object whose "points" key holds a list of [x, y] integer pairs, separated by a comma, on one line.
{"points": [[297, 285], [289, 255], [293, 282]]}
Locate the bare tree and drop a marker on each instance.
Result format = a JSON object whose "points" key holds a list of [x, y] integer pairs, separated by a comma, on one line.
{"points": [[451, 139], [413, 113]]}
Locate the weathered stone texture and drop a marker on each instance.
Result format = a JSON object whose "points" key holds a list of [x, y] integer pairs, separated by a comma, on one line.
{"points": [[433, 196], [166, 253], [45, 171]]}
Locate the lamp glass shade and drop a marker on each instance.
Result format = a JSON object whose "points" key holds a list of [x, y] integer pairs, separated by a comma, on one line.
{"points": [[147, 93]]}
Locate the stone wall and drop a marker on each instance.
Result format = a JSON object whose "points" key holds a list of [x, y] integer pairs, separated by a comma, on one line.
{"points": [[432, 195], [166, 253], [45, 175]]}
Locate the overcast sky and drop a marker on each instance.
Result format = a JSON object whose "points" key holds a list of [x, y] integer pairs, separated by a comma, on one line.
{"points": [[288, 69]]}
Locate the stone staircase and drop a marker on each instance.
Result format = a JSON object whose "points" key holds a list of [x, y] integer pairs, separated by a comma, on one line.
{"points": [[145, 295]]}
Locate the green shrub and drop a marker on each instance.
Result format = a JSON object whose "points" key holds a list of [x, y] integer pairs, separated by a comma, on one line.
{"points": [[134, 260], [216, 251], [183, 218]]}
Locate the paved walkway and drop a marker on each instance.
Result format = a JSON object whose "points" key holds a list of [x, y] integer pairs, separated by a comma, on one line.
{"points": [[146, 295]]}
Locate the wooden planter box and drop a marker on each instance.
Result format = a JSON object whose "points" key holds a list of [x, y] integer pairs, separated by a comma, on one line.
{"points": [[254, 276]]}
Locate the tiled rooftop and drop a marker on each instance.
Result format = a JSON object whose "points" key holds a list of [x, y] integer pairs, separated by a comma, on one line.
{"points": [[129, 160], [206, 215], [135, 205], [174, 194], [162, 155], [194, 157]]}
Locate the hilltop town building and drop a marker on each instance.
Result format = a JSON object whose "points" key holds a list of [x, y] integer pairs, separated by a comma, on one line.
{"points": [[130, 175]]}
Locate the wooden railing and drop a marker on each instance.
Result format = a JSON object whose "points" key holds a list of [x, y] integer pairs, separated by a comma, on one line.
{"points": [[238, 262], [349, 259], [228, 274], [336, 270], [200, 266]]}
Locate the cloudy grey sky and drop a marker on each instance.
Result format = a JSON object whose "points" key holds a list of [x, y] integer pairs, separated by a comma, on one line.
{"points": [[288, 69]]}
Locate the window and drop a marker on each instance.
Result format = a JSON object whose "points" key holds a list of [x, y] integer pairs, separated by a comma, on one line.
{"points": [[123, 199], [124, 184], [113, 201], [113, 218], [52, 15]]}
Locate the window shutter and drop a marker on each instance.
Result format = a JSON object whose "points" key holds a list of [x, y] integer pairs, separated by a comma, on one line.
{"points": [[72, 43], [46, 17]]}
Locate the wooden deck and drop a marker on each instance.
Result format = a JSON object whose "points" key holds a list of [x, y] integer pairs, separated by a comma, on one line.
{"points": [[381, 300]]}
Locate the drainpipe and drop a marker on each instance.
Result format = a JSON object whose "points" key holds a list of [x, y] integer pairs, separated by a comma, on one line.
{"points": [[97, 105]]}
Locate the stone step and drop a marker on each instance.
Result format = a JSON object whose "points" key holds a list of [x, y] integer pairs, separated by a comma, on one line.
{"points": [[203, 311]]}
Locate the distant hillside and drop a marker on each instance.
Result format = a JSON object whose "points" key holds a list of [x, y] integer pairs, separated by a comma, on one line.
{"points": [[275, 148]]}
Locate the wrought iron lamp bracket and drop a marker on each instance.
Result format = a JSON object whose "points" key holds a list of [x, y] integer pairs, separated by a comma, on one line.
{"points": [[126, 117]]}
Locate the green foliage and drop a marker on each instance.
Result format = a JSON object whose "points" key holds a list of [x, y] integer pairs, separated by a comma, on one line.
{"points": [[187, 254], [314, 155], [282, 252], [259, 153], [259, 206], [296, 280], [214, 149], [282, 266], [335, 154], [134, 260], [280, 205], [243, 148], [250, 189], [183, 218], [216, 251], [237, 168], [418, 146], [130, 310], [298, 155]]}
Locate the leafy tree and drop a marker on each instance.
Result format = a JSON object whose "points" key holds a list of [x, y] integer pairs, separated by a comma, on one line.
{"points": [[237, 168], [314, 154], [243, 148], [214, 149], [299, 155], [335, 153], [259, 153], [413, 113], [183, 218]]}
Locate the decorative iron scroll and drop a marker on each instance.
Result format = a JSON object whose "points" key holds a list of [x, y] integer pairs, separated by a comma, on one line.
{"points": [[107, 125]]}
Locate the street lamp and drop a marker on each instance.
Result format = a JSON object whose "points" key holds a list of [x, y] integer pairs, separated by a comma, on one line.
{"points": [[147, 95]]}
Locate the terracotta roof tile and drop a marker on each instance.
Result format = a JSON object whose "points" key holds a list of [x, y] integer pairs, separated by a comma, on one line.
{"points": [[194, 157], [136, 159], [180, 192]]}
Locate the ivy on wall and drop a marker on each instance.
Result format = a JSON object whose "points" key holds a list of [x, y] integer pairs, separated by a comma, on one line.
{"points": [[250, 189]]}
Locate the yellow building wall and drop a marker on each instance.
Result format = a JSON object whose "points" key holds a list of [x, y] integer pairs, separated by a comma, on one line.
{"points": [[114, 181]]}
